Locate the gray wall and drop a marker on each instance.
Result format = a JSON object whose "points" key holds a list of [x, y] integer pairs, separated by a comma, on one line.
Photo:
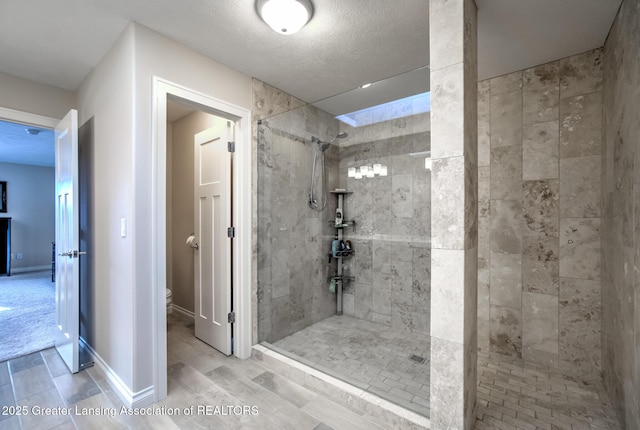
{"points": [[180, 216], [293, 240], [539, 133], [391, 239], [621, 206], [31, 205]]}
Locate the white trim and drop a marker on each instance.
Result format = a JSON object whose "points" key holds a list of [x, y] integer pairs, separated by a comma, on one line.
{"points": [[30, 269], [28, 118], [139, 399], [242, 211], [187, 313]]}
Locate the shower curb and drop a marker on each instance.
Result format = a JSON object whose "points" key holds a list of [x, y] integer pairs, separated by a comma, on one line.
{"points": [[394, 416]]}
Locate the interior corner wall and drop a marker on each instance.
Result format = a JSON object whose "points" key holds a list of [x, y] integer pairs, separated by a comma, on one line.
{"points": [[31, 205], [155, 55], [182, 203], [33, 97], [106, 99], [539, 156], [621, 215]]}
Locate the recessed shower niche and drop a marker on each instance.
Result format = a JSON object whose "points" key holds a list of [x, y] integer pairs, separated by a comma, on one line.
{"points": [[346, 288]]}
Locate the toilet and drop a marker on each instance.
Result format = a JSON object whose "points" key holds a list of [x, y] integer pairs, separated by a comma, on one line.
{"points": [[169, 301]]}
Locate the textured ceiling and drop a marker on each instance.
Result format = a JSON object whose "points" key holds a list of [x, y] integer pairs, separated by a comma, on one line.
{"points": [[19, 147], [347, 42]]}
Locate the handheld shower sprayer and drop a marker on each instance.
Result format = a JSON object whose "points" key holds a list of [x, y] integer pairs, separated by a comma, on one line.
{"points": [[320, 149]]}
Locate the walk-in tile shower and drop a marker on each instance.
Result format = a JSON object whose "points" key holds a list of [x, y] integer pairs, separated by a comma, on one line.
{"points": [[380, 342]]}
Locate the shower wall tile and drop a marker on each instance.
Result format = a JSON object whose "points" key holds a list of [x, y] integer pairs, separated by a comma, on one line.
{"points": [[541, 93], [506, 118], [506, 226], [508, 83], [484, 123], [447, 209], [447, 274], [363, 301], [505, 332], [540, 207], [506, 279], [580, 248], [580, 187], [543, 219], [581, 74], [540, 267], [581, 125], [540, 150], [402, 317], [580, 337], [402, 196], [540, 328], [484, 187], [447, 110], [506, 172]]}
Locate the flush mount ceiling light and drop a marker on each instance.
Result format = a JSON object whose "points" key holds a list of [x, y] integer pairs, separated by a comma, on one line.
{"points": [[285, 16], [33, 131]]}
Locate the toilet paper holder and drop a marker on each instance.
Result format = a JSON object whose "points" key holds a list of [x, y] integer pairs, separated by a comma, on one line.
{"points": [[191, 241]]}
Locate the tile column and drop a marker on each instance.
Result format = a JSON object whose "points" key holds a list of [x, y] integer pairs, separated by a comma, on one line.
{"points": [[454, 227]]}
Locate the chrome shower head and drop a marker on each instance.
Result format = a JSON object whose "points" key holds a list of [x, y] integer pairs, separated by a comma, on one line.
{"points": [[341, 135]]}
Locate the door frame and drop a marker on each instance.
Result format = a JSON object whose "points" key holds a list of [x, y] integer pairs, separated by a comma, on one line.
{"points": [[242, 212]]}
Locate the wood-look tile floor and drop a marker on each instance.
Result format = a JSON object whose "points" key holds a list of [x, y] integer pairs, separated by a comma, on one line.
{"points": [[512, 395], [225, 393]]}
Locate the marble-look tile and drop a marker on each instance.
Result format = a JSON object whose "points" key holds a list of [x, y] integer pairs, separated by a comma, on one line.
{"points": [[580, 248], [544, 77], [506, 173], [506, 331], [580, 327], [540, 151], [447, 294], [580, 187], [540, 328], [447, 111], [447, 29], [447, 203], [484, 123], [447, 382], [401, 317], [540, 207], [506, 119], [541, 94], [402, 196], [506, 226], [581, 73], [540, 264], [363, 301], [484, 195], [539, 106], [483, 335], [581, 125], [506, 279], [508, 83]]}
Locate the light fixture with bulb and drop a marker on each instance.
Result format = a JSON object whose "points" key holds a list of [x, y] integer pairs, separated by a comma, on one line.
{"points": [[367, 171], [285, 16]]}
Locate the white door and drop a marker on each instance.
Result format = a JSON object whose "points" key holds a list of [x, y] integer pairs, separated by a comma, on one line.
{"points": [[67, 241], [212, 218]]}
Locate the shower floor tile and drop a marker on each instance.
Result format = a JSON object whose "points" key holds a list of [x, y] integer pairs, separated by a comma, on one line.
{"points": [[390, 363]]}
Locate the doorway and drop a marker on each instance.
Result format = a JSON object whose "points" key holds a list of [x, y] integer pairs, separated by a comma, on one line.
{"points": [[198, 215], [164, 93], [27, 301]]}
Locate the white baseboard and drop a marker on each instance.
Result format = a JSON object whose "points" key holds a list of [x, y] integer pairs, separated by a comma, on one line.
{"points": [[30, 269], [140, 399], [187, 313]]}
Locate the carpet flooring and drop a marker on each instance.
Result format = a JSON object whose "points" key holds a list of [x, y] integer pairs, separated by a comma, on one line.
{"points": [[27, 313]]}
